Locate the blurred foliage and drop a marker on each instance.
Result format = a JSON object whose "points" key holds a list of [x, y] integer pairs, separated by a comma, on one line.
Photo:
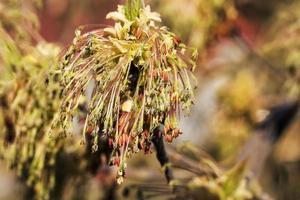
{"points": [[195, 20], [283, 47], [198, 176], [30, 99], [264, 77], [267, 74], [240, 108]]}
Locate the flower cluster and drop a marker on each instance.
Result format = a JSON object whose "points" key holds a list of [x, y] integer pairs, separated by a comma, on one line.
{"points": [[139, 73]]}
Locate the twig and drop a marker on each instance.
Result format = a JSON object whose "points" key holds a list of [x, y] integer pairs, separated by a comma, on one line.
{"points": [[161, 155]]}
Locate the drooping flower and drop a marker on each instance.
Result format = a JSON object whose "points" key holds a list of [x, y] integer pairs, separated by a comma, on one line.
{"points": [[141, 75]]}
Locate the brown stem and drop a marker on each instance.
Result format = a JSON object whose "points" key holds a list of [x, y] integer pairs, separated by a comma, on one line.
{"points": [[161, 155]]}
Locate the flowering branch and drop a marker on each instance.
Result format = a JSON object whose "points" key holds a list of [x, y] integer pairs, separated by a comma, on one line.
{"points": [[142, 77]]}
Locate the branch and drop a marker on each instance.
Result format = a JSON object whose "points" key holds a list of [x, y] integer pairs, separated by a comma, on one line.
{"points": [[161, 154]]}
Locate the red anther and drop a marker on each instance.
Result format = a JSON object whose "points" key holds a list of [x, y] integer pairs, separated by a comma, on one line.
{"points": [[154, 73], [116, 161], [168, 138], [146, 134], [175, 133], [176, 40], [110, 142], [138, 33], [165, 76], [89, 130]]}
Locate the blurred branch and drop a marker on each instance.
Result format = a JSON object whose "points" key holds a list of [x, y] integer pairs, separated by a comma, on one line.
{"points": [[278, 72], [267, 133]]}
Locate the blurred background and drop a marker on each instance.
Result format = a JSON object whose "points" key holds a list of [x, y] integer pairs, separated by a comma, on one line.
{"points": [[249, 61]]}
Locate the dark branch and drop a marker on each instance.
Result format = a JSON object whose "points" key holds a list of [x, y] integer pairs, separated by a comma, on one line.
{"points": [[161, 154]]}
